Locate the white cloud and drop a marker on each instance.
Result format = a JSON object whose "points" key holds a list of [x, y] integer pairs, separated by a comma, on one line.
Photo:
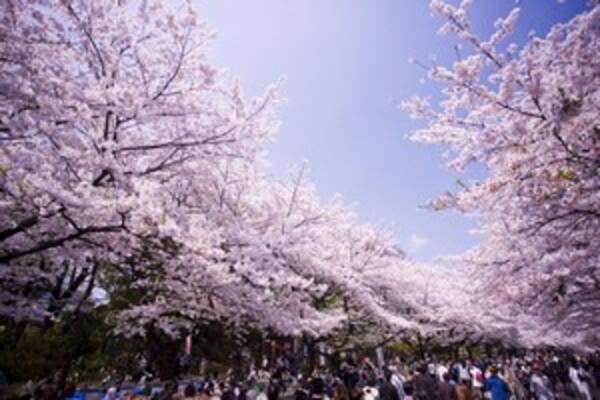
{"points": [[417, 242]]}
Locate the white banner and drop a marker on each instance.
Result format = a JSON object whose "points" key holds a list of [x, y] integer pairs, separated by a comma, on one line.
{"points": [[380, 359], [322, 354]]}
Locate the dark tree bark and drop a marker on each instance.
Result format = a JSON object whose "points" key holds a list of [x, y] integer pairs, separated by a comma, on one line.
{"points": [[163, 354]]}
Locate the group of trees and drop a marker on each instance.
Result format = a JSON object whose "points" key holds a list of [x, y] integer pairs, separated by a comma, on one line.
{"points": [[131, 174], [132, 178]]}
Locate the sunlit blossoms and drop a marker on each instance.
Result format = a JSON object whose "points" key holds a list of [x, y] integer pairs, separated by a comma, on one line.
{"points": [[115, 131], [132, 169], [128, 162], [531, 117]]}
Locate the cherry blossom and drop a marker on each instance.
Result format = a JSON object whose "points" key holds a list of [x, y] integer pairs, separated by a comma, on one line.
{"points": [[531, 118]]}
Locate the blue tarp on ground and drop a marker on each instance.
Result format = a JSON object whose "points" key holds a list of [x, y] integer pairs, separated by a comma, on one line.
{"points": [[81, 395]]}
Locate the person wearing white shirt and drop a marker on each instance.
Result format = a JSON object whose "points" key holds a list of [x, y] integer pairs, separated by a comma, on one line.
{"points": [[580, 379], [539, 384], [441, 371], [398, 381]]}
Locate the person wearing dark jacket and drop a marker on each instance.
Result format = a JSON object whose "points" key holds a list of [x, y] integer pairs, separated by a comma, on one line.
{"points": [[425, 387], [273, 390], [387, 391], [317, 389], [447, 390], [228, 394]]}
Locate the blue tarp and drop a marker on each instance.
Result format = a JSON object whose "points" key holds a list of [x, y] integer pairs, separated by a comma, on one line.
{"points": [[80, 394]]}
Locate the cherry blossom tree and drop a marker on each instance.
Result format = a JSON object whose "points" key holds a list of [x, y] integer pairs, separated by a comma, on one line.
{"points": [[530, 115], [282, 259], [108, 109], [257, 266]]}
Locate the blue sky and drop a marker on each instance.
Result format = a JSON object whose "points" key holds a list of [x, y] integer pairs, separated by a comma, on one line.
{"points": [[346, 63]]}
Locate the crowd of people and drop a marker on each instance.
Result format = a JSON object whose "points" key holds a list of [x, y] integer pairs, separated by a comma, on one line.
{"points": [[532, 377]]}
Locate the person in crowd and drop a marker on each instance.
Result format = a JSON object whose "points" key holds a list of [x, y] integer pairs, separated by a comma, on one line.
{"points": [[302, 391], [371, 390], [464, 374], [242, 391], [552, 370], [506, 372], [565, 386], [127, 395], [274, 389], [340, 392], [425, 388], [177, 396], [252, 391], [523, 375], [356, 393], [398, 380], [463, 390], [189, 392], [155, 393], [581, 379], [228, 393], [540, 385], [261, 392], [408, 391], [44, 391], [477, 380], [369, 393], [447, 390], [441, 370], [455, 372], [146, 390], [111, 394], [318, 390], [514, 383], [168, 391], [496, 386], [387, 391]]}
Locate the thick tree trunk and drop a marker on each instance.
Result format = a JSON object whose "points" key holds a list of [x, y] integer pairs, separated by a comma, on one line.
{"points": [[62, 380], [163, 354], [420, 347], [456, 351], [488, 350], [312, 355], [334, 360]]}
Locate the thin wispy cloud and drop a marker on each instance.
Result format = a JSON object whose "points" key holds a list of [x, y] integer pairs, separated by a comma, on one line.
{"points": [[417, 242]]}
